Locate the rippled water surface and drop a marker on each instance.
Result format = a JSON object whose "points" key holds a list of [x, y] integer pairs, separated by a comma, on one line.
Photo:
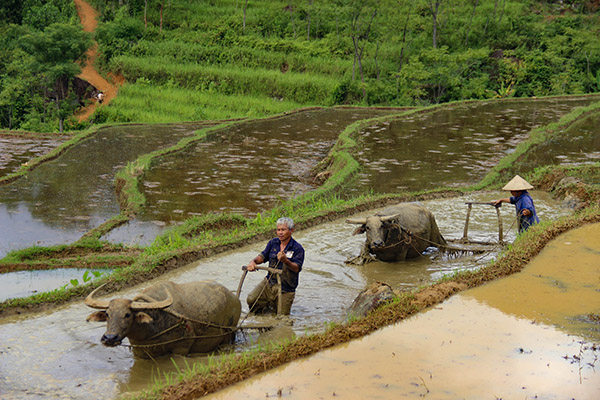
{"points": [[15, 151], [62, 199], [248, 168], [451, 147], [579, 144]]}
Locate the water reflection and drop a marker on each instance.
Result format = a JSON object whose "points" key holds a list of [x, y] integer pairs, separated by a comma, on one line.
{"points": [[15, 151], [460, 349], [450, 147], [496, 341], [26, 283], [62, 199], [578, 144], [249, 168]]}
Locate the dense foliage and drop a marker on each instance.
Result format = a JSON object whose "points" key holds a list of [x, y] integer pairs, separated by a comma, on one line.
{"points": [[213, 59], [39, 50]]}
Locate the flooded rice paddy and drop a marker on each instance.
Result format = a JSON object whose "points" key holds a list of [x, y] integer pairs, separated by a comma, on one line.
{"points": [[15, 151], [62, 199], [65, 359], [248, 168], [526, 336], [56, 354], [27, 283], [451, 147], [252, 166], [578, 144]]}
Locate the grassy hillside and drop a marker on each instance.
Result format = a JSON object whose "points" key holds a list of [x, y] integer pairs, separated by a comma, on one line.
{"points": [[191, 59]]}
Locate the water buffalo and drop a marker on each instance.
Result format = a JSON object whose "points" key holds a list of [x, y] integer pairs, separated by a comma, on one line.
{"points": [[170, 318], [397, 233]]}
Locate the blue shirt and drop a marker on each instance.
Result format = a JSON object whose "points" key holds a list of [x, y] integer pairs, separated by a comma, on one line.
{"points": [[525, 202], [294, 252]]}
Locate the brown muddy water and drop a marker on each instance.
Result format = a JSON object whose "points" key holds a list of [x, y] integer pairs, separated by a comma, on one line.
{"points": [[527, 336], [255, 165], [579, 144], [15, 151], [248, 168], [452, 147], [58, 354], [62, 199]]}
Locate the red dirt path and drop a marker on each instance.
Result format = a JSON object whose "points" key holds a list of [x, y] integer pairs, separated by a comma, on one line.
{"points": [[88, 16]]}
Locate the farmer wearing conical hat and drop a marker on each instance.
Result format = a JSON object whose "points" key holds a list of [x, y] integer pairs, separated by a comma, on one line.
{"points": [[523, 202]]}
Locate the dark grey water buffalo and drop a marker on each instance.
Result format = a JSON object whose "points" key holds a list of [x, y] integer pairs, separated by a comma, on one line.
{"points": [[397, 233], [170, 318]]}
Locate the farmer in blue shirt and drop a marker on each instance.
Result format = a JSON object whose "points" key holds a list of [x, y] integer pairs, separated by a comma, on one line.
{"points": [[523, 202], [284, 253]]}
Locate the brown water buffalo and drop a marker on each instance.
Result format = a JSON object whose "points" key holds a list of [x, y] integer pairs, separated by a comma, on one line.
{"points": [[397, 233], [170, 318]]}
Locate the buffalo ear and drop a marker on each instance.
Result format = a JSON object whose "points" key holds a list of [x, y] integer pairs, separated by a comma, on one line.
{"points": [[359, 230], [98, 316], [142, 318]]}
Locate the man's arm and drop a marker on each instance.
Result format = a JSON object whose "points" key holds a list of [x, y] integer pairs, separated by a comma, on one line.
{"points": [[259, 259], [505, 200], [287, 262]]}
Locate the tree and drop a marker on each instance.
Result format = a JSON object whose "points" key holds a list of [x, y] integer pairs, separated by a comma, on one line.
{"points": [[361, 15], [56, 52], [11, 11]]}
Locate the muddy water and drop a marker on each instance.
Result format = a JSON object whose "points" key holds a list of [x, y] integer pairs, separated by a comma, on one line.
{"points": [[521, 337], [65, 358], [15, 151], [451, 147], [62, 199], [579, 144], [249, 168]]}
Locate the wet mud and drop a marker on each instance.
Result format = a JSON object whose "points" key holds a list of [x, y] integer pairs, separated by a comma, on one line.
{"points": [[576, 145]]}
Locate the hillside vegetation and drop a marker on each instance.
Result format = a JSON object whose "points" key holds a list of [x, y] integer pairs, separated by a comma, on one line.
{"points": [[192, 60]]}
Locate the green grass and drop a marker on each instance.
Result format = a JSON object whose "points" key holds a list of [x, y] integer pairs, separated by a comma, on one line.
{"points": [[151, 104]]}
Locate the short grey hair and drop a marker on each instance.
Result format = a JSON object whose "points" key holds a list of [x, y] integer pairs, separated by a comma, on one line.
{"points": [[286, 221]]}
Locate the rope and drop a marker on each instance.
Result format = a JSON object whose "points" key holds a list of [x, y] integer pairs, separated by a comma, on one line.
{"points": [[410, 235], [257, 298]]}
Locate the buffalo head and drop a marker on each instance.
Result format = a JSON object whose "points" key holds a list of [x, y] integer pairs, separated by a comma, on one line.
{"points": [[376, 227], [122, 314]]}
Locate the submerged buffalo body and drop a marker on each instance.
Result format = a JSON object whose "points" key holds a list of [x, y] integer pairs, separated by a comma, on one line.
{"points": [[398, 233], [170, 318]]}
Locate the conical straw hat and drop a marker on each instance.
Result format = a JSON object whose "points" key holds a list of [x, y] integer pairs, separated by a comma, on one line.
{"points": [[517, 183]]}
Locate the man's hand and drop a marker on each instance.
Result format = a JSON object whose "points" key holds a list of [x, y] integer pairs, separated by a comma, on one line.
{"points": [[526, 212], [282, 257], [251, 266]]}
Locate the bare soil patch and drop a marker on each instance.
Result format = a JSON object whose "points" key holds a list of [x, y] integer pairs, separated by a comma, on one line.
{"points": [[87, 15]]}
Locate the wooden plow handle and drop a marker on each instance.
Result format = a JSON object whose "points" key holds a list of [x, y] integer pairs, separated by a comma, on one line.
{"points": [[277, 273], [488, 203]]}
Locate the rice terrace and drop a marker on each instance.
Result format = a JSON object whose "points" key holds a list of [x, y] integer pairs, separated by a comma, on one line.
{"points": [[149, 151]]}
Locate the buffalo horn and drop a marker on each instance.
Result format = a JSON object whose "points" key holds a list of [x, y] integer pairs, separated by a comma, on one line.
{"points": [[95, 303], [138, 305], [389, 217], [358, 221]]}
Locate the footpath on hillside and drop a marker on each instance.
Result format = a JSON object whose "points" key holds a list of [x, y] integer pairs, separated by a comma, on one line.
{"points": [[87, 15]]}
